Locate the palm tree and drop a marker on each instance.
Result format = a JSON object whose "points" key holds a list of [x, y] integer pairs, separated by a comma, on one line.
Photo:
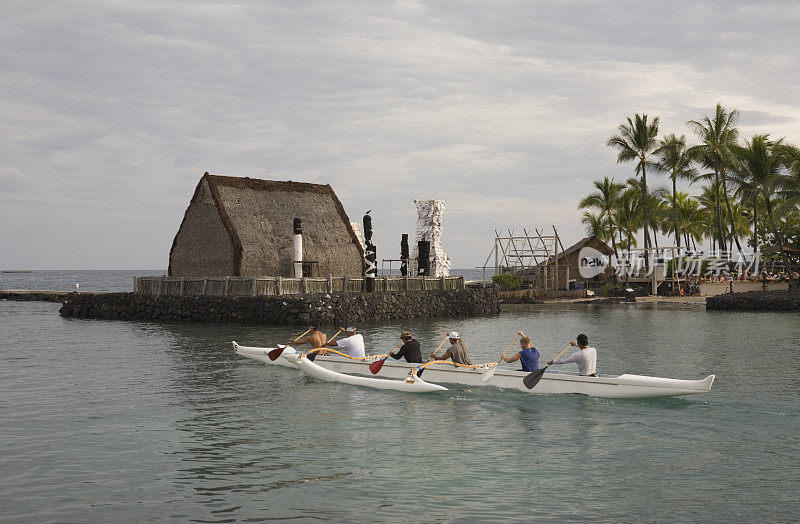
{"points": [[710, 213], [675, 160], [636, 141], [762, 163], [718, 134], [604, 200], [628, 218], [653, 202], [597, 225], [689, 218]]}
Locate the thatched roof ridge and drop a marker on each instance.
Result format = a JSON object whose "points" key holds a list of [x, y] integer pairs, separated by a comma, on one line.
{"points": [[257, 184]]}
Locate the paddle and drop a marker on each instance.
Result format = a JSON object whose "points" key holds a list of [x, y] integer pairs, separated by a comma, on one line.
{"points": [[532, 379], [312, 356], [275, 353], [378, 364], [489, 373], [419, 373]]}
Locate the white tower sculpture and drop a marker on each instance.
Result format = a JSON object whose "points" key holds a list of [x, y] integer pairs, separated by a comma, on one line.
{"points": [[429, 227]]}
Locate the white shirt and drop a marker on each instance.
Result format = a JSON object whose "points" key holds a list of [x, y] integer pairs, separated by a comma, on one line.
{"points": [[586, 359], [354, 345]]}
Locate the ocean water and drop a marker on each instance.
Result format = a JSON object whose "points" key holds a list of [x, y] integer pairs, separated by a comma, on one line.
{"points": [[136, 421]]}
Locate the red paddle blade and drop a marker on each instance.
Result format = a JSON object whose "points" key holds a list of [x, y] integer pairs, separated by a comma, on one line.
{"points": [[275, 353], [376, 366]]}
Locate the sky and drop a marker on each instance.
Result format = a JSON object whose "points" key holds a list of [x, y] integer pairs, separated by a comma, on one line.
{"points": [[111, 111]]}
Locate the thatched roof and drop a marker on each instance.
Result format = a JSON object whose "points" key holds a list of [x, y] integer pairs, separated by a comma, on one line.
{"points": [[255, 229], [591, 241]]}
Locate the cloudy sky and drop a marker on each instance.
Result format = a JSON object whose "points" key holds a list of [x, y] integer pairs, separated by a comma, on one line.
{"points": [[111, 110]]}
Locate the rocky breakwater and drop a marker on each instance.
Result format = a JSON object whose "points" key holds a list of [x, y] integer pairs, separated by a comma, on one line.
{"points": [[32, 295], [319, 308], [755, 301]]}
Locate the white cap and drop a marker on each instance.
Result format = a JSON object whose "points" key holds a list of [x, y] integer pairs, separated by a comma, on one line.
{"points": [[453, 335], [350, 329]]}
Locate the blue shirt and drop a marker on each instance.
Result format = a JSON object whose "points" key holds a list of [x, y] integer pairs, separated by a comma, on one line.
{"points": [[530, 359]]}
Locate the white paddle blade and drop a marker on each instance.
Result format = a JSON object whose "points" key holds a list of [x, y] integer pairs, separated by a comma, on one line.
{"points": [[489, 373]]}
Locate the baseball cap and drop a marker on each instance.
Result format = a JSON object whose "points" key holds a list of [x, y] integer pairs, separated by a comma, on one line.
{"points": [[453, 335], [350, 329], [405, 334]]}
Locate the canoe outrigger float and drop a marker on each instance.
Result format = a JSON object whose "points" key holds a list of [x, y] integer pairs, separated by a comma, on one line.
{"points": [[344, 366]]}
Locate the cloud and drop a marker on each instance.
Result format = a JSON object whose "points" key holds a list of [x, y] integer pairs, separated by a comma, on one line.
{"points": [[13, 181], [114, 109]]}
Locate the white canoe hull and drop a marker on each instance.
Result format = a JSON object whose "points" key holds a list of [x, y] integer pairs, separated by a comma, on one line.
{"points": [[412, 384], [617, 386]]}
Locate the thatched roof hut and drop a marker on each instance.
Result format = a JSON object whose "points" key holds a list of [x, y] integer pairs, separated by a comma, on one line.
{"points": [[243, 227]]}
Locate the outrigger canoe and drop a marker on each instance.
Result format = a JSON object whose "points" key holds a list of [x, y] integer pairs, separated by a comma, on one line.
{"points": [[609, 386], [410, 384]]}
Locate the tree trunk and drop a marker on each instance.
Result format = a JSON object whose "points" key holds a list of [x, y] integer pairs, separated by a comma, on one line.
{"points": [[675, 214], [786, 263], [627, 263], [755, 224], [721, 236], [645, 214], [730, 214]]}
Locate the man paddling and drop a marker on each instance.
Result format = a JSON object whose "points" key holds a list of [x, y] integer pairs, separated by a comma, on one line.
{"points": [[315, 338], [353, 343], [410, 349], [586, 358], [458, 351], [528, 354]]}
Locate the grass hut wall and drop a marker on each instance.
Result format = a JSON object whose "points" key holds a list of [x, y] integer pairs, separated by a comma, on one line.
{"points": [[243, 227]]}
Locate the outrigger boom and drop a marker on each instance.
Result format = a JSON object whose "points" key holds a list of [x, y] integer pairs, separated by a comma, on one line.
{"points": [[610, 386]]}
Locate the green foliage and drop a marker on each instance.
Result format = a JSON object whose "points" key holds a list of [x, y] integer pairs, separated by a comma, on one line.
{"points": [[507, 281], [613, 289]]}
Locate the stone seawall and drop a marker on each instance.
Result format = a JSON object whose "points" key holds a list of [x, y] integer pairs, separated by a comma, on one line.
{"points": [[755, 301], [33, 295], [321, 308]]}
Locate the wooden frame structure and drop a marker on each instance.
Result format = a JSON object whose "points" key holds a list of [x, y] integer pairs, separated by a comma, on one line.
{"points": [[533, 252]]}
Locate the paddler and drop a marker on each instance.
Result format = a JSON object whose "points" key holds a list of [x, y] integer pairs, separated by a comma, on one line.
{"points": [[410, 349], [528, 355], [315, 338], [458, 351], [586, 357], [352, 342]]}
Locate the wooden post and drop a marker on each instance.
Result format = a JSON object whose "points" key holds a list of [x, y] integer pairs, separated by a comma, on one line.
{"points": [[444, 285], [135, 285], [182, 285], [205, 284], [330, 283], [462, 284], [279, 285], [160, 285], [345, 283], [227, 287], [385, 282], [405, 282], [254, 286], [303, 285]]}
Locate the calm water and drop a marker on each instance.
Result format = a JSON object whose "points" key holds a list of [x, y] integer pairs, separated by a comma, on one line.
{"points": [[132, 421]]}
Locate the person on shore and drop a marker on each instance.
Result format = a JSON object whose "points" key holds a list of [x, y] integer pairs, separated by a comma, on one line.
{"points": [[410, 349], [315, 338], [586, 358], [528, 355], [458, 351], [352, 342]]}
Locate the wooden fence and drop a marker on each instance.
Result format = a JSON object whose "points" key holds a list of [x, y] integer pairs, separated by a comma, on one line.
{"points": [[274, 286]]}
